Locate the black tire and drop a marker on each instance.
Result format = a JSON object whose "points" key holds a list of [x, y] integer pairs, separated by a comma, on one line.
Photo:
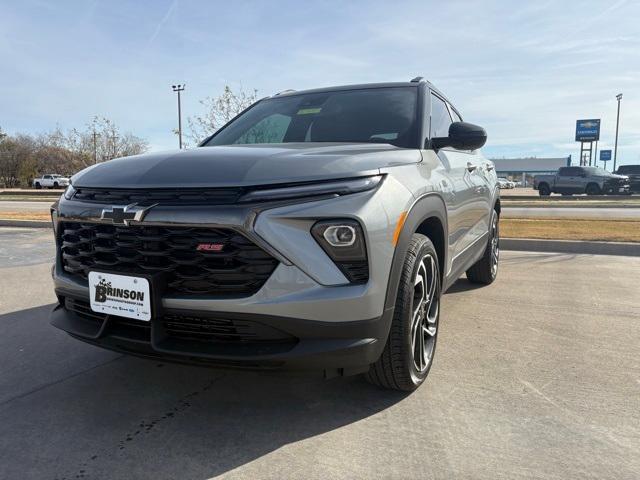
{"points": [[544, 190], [485, 270], [592, 189], [38, 186], [405, 362], [55, 185]]}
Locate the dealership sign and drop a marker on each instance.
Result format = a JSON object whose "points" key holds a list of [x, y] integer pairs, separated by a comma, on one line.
{"points": [[588, 130], [605, 155]]}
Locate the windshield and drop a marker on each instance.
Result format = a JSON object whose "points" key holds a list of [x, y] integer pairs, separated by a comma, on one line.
{"points": [[375, 115]]}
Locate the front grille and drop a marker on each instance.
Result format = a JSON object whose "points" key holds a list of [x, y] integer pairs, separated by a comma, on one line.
{"points": [[192, 196], [239, 269], [220, 330]]}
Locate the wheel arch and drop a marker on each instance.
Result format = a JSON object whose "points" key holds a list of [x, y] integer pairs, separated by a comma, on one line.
{"points": [[427, 216]]}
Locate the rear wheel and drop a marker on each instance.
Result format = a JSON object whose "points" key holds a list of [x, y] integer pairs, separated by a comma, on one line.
{"points": [[38, 186], [408, 353], [544, 190], [485, 270], [55, 185]]}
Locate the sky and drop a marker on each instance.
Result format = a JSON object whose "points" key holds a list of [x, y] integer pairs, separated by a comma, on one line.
{"points": [[526, 71]]}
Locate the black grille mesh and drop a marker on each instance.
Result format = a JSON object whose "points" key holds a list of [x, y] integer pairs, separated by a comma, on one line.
{"points": [[239, 269]]}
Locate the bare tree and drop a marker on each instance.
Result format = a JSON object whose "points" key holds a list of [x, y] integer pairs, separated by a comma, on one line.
{"points": [[218, 111], [22, 157]]}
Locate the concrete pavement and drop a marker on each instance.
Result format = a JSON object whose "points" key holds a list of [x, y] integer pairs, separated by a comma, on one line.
{"points": [[536, 376]]}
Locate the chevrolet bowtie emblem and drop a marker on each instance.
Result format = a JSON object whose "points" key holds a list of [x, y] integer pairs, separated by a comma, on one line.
{"points": [[126, 214]]}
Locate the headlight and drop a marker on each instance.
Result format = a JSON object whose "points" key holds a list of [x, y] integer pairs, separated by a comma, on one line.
{"points": [[343, 241], [69, 192], [338, 187]]}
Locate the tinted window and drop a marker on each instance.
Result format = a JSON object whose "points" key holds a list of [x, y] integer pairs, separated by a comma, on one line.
{"points": [[440, 119], [374, 115], [627, 169], [569, 171], [596, 171]]}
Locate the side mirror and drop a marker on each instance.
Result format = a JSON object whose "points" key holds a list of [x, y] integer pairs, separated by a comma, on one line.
{"points": [[462, 136]]}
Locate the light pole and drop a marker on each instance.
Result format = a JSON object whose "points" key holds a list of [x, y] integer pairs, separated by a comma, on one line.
{"points": [[615, 149], [178, 89]]}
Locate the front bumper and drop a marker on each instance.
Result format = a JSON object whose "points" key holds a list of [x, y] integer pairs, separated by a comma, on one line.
{"points": [[617, 189], [232, 340]]}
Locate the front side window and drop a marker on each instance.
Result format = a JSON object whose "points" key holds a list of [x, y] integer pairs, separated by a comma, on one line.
{"points": [[440, 119], [596, 171], [454, 114], [374, 115]]}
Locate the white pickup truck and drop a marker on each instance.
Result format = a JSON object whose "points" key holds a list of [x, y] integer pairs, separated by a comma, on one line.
{"points": [[51, 181]]}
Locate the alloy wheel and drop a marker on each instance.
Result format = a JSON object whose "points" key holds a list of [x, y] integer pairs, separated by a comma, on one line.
{"points": [[495, 246], [424, 320]]}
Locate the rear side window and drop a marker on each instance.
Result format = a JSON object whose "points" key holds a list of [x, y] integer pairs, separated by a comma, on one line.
{"points": [[440, 119], [569, 171]]}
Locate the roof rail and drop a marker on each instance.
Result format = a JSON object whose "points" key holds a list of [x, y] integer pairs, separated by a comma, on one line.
{"points": [[417, 79], [288, 90]]}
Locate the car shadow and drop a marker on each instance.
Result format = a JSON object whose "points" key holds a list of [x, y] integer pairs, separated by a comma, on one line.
{"points": [[85, 412], [462, 285]]}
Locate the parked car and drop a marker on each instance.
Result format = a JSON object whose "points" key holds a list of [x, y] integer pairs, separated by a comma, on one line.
{"points": [[505, 183], [589, 180], [51, 181], [316, 230], [633, 172]]}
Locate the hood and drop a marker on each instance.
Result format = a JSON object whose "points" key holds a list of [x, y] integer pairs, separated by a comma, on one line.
{"points": [[617, 177], [246, 165]]}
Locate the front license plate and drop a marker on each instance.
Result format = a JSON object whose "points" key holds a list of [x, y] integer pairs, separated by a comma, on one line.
{"points": [[120, 295], [621, 189]]}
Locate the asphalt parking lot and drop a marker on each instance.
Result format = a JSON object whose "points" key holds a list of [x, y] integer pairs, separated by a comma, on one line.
{"points": [[536, 376]]}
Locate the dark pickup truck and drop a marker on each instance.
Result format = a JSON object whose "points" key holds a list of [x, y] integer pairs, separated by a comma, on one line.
{"points": [[633, 172], [589, 180]]}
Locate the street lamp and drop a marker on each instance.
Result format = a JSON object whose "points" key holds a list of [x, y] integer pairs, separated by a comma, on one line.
{"points": [[178, 89], [615, 149]]}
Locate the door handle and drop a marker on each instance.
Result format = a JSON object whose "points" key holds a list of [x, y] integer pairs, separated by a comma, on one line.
{"points": [[471, 167]]}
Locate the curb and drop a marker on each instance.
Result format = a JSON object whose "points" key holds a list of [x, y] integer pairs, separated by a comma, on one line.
{"points": [[26, 223], [571, 246]]}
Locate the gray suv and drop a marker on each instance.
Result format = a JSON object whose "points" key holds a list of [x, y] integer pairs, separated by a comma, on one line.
{"points": [[316, 230]]}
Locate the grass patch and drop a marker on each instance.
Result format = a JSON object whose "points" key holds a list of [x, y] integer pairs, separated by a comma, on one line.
{"points": [[25, 216], [563, 229]]}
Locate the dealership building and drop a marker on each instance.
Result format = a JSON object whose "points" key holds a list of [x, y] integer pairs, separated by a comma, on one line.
{"points": [[524, 169]]}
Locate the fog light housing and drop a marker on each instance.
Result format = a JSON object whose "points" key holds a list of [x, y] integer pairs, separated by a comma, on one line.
{"points": [[340, 235], [343, 240]]}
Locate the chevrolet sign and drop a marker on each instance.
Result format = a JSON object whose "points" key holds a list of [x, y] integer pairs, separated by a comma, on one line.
{"points": [[588, 130]]}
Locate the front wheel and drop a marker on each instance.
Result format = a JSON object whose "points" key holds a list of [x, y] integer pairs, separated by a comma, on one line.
{"points": [[592, 189], [485, 270], [408, 353]]}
